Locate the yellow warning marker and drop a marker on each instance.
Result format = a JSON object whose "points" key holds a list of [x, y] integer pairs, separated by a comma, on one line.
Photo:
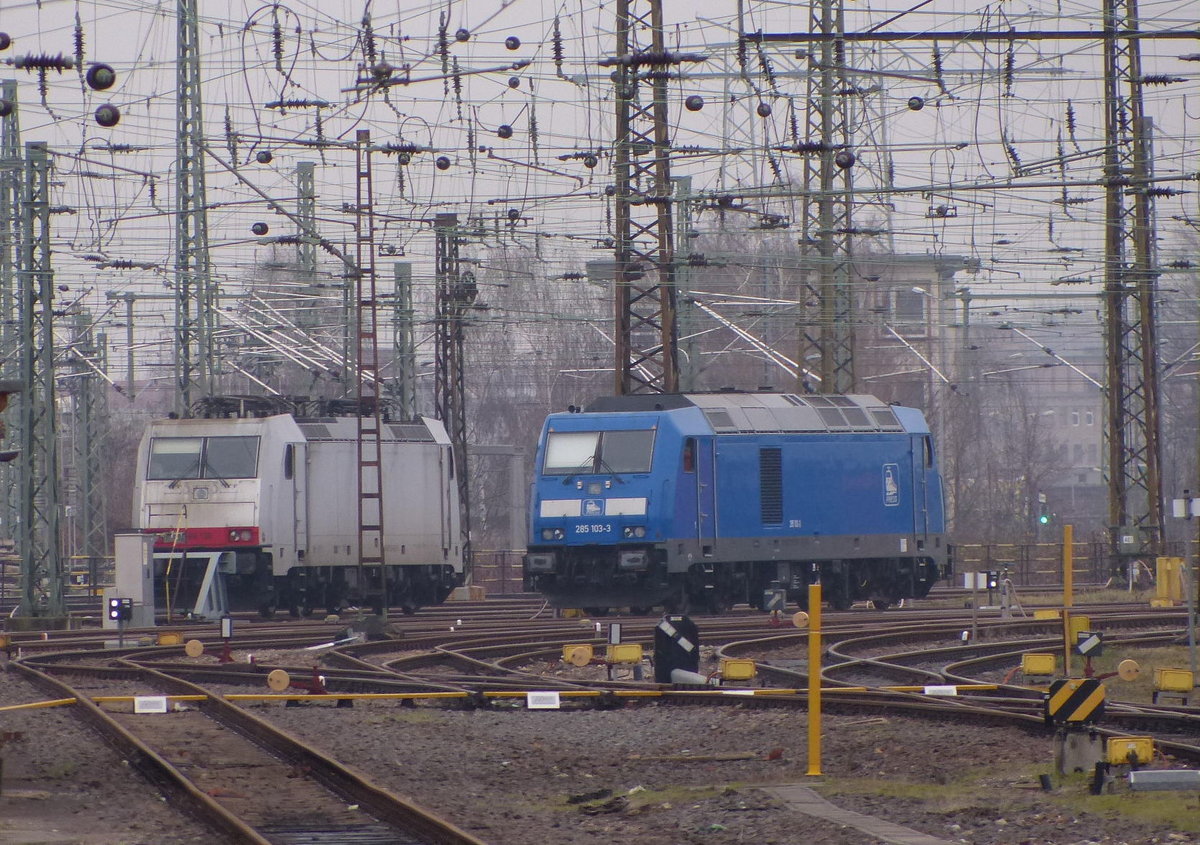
{"points": [[169, 638], [1128, 670], [579, 654], [799, 618], [279, 680], [193, 648]]}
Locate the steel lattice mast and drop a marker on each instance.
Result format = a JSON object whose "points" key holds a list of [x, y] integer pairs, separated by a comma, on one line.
{"points": [[195, 300], [10, 236], [89, 396], [644, 285], [42, 576], [1131, 282], [827, 232], [306, 241], [456, 292], [404, 348]]}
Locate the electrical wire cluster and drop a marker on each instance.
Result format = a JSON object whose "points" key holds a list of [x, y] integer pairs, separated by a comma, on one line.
{"points": [[503, 112]]}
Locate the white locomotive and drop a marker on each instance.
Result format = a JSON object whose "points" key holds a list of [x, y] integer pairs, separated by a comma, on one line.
{"points": [[270, 504]]}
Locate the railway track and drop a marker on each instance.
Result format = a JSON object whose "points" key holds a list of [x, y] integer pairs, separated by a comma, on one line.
{"points": [[249, 781], [472, 659]]}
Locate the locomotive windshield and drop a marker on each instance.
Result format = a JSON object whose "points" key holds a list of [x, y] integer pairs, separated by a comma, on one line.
{"points": [[172, 458], [591, 452]]}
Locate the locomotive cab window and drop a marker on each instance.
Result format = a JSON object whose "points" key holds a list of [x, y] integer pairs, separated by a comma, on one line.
{"points": [[928, 451], [593, 452], [689, 455], [173, 458]]}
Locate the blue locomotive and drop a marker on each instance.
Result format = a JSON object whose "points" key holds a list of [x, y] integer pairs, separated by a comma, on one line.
{"points": [[704, 500]]}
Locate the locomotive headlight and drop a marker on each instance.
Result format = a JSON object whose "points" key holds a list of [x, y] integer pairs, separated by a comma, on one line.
{"points": [[552, 533], [233, 535], [244, 535], [634, 531]]}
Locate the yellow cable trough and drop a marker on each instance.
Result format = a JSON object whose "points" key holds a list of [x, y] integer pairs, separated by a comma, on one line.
{"points": [[498, 694]]}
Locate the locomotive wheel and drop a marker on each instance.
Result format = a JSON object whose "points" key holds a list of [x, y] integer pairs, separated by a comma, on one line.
{"points": [[267, 610], [596, 611], [881, 604], [840, 601]]}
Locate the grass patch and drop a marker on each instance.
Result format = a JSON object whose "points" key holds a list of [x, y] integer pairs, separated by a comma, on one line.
{"points": [[1016, 789], [1178, 810]]}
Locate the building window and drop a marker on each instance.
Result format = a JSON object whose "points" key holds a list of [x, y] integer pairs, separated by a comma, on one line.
{"points": [[1078, 453], [909, 307], [1074, 418], [1089, 417]]}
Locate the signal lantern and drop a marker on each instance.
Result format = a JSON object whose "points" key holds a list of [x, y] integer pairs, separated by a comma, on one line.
{"points": [[120, 610]]}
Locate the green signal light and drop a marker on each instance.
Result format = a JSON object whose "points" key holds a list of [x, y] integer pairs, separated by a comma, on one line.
{"points": [[1044, 519]]}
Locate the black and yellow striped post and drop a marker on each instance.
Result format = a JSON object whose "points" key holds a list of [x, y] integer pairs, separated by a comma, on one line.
{"points": [[1074, 702]]}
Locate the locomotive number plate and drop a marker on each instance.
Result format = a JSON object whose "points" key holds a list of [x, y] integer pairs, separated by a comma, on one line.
{"points": [[593, 528]]}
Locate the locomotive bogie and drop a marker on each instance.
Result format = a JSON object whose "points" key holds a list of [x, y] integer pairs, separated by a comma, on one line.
{"points": [[278, 499], [712, 499]]}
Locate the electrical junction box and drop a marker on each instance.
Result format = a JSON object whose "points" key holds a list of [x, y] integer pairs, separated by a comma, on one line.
{"points": [[737, 670], [624, 653], [1123, 750], [1173, 680], [1039, 665]]}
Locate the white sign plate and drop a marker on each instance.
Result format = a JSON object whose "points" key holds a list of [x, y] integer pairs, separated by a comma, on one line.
{"points": [[942, 689], [542, 700], [149, 704]]}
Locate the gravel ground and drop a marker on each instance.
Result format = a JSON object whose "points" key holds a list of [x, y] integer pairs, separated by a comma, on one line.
{"points": [[658, 775], [645, 774]]}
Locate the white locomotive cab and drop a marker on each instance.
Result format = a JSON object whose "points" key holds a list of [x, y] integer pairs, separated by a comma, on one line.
{"points": [[281, 495]]}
